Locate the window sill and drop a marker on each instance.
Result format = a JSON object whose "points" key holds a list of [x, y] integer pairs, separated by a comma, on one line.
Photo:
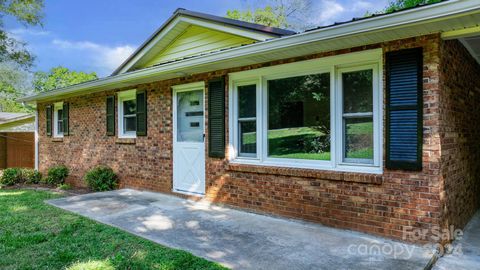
{"points": [[367, 178], [125, 140], [57, 139]]}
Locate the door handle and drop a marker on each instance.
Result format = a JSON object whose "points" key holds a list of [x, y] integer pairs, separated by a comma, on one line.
{"points": [[203, 137]]}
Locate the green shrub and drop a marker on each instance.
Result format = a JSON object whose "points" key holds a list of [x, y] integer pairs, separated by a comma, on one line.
{"points": [[64, 186], [101, 178], [57, 175], [11, 176], [31, 176]]}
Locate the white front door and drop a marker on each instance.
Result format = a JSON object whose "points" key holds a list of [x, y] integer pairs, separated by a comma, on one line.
{"points": [[188, 140]]}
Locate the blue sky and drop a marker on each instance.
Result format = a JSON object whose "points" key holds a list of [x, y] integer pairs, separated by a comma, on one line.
{"points": [[97, 35]]}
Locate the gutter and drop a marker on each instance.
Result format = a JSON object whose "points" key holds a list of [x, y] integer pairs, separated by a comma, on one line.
{"points": [[17, 119], [397, 19]]}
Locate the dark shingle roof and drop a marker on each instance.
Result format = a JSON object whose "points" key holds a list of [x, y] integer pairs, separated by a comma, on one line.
{"points": [[242, 24]]}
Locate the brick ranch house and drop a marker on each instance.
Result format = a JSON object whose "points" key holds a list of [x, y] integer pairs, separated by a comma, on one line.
{"points": [[370, 125]]}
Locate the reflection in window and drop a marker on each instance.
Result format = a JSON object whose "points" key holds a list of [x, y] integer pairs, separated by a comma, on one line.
{"points": [[60, 122], [358, 116], [247, 120], [129, 116], [190, 120], [299, 117]]}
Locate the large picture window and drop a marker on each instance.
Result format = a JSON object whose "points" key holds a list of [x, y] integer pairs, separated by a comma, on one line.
{"points": [[321, 114]]}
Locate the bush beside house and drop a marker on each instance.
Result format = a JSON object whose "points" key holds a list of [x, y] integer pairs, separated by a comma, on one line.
{"points": [[57, 175], [101, 178], [12, 176]]}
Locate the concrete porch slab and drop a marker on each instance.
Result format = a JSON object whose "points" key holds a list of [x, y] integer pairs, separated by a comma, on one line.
{"points": [[466, 251], [242, 240]]}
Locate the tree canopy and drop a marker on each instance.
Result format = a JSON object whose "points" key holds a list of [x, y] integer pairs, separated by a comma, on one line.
{"points": [[29, 13], [15, 59], [403, 4], [268, 16], [276, 13], [59, 77], [15, 83]]}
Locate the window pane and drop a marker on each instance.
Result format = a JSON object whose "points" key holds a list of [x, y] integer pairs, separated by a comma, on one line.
{"points": [[299, 117], [248, 138], [357, 91], [129, 107], [359, 138], [247, 101], [190, 119], [60, 127], [60, 121], [129, 124]]}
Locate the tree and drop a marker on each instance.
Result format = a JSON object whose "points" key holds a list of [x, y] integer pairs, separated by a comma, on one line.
{"points": [[277, 13], [29, 13], [266, 16], [403, 4], [14, 83], [15, 59], [59, 77]]}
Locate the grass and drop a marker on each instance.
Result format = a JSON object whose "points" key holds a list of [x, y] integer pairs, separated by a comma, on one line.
{"points": [[34, 235]]}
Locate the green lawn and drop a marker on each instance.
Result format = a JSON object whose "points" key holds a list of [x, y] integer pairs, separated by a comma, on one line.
{"points": [[34, 235]]}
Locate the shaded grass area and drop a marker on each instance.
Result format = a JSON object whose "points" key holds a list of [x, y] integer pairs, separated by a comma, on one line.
{"points": [[288, 142], [34, 235]]}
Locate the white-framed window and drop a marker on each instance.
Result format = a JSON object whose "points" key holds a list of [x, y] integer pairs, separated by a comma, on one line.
{"points": [[321, 114], [127, 117], [58, 120]]}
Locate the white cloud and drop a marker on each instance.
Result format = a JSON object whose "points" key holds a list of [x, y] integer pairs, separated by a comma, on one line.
{"points": [[103, 58], [28, 32], [330, 11]]}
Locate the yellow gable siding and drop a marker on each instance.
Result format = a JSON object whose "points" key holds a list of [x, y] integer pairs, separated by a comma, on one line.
{"points": [[196, 40]]}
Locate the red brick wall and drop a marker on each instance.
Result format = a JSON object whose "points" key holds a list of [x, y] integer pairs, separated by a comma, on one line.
{"points": [[380, 204], [460, 133]]}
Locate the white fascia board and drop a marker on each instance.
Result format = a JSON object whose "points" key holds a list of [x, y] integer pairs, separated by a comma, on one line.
{"points": [[408, 17]]}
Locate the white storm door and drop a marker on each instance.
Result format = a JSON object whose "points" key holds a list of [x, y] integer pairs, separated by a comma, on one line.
{"points": [[188, 141]]}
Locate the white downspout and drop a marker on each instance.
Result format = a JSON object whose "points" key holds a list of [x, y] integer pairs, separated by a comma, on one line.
{"points": [[36, 139]]}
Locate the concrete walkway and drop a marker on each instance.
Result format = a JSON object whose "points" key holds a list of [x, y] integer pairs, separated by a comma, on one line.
{"points": [[242, 240], [466, 251]]}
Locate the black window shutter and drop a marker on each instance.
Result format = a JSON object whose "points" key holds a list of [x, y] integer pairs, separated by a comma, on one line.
{"points": [[141, 113], [404, 109], [66, 117], [48, 120], [216, 118], [110, 117]]}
